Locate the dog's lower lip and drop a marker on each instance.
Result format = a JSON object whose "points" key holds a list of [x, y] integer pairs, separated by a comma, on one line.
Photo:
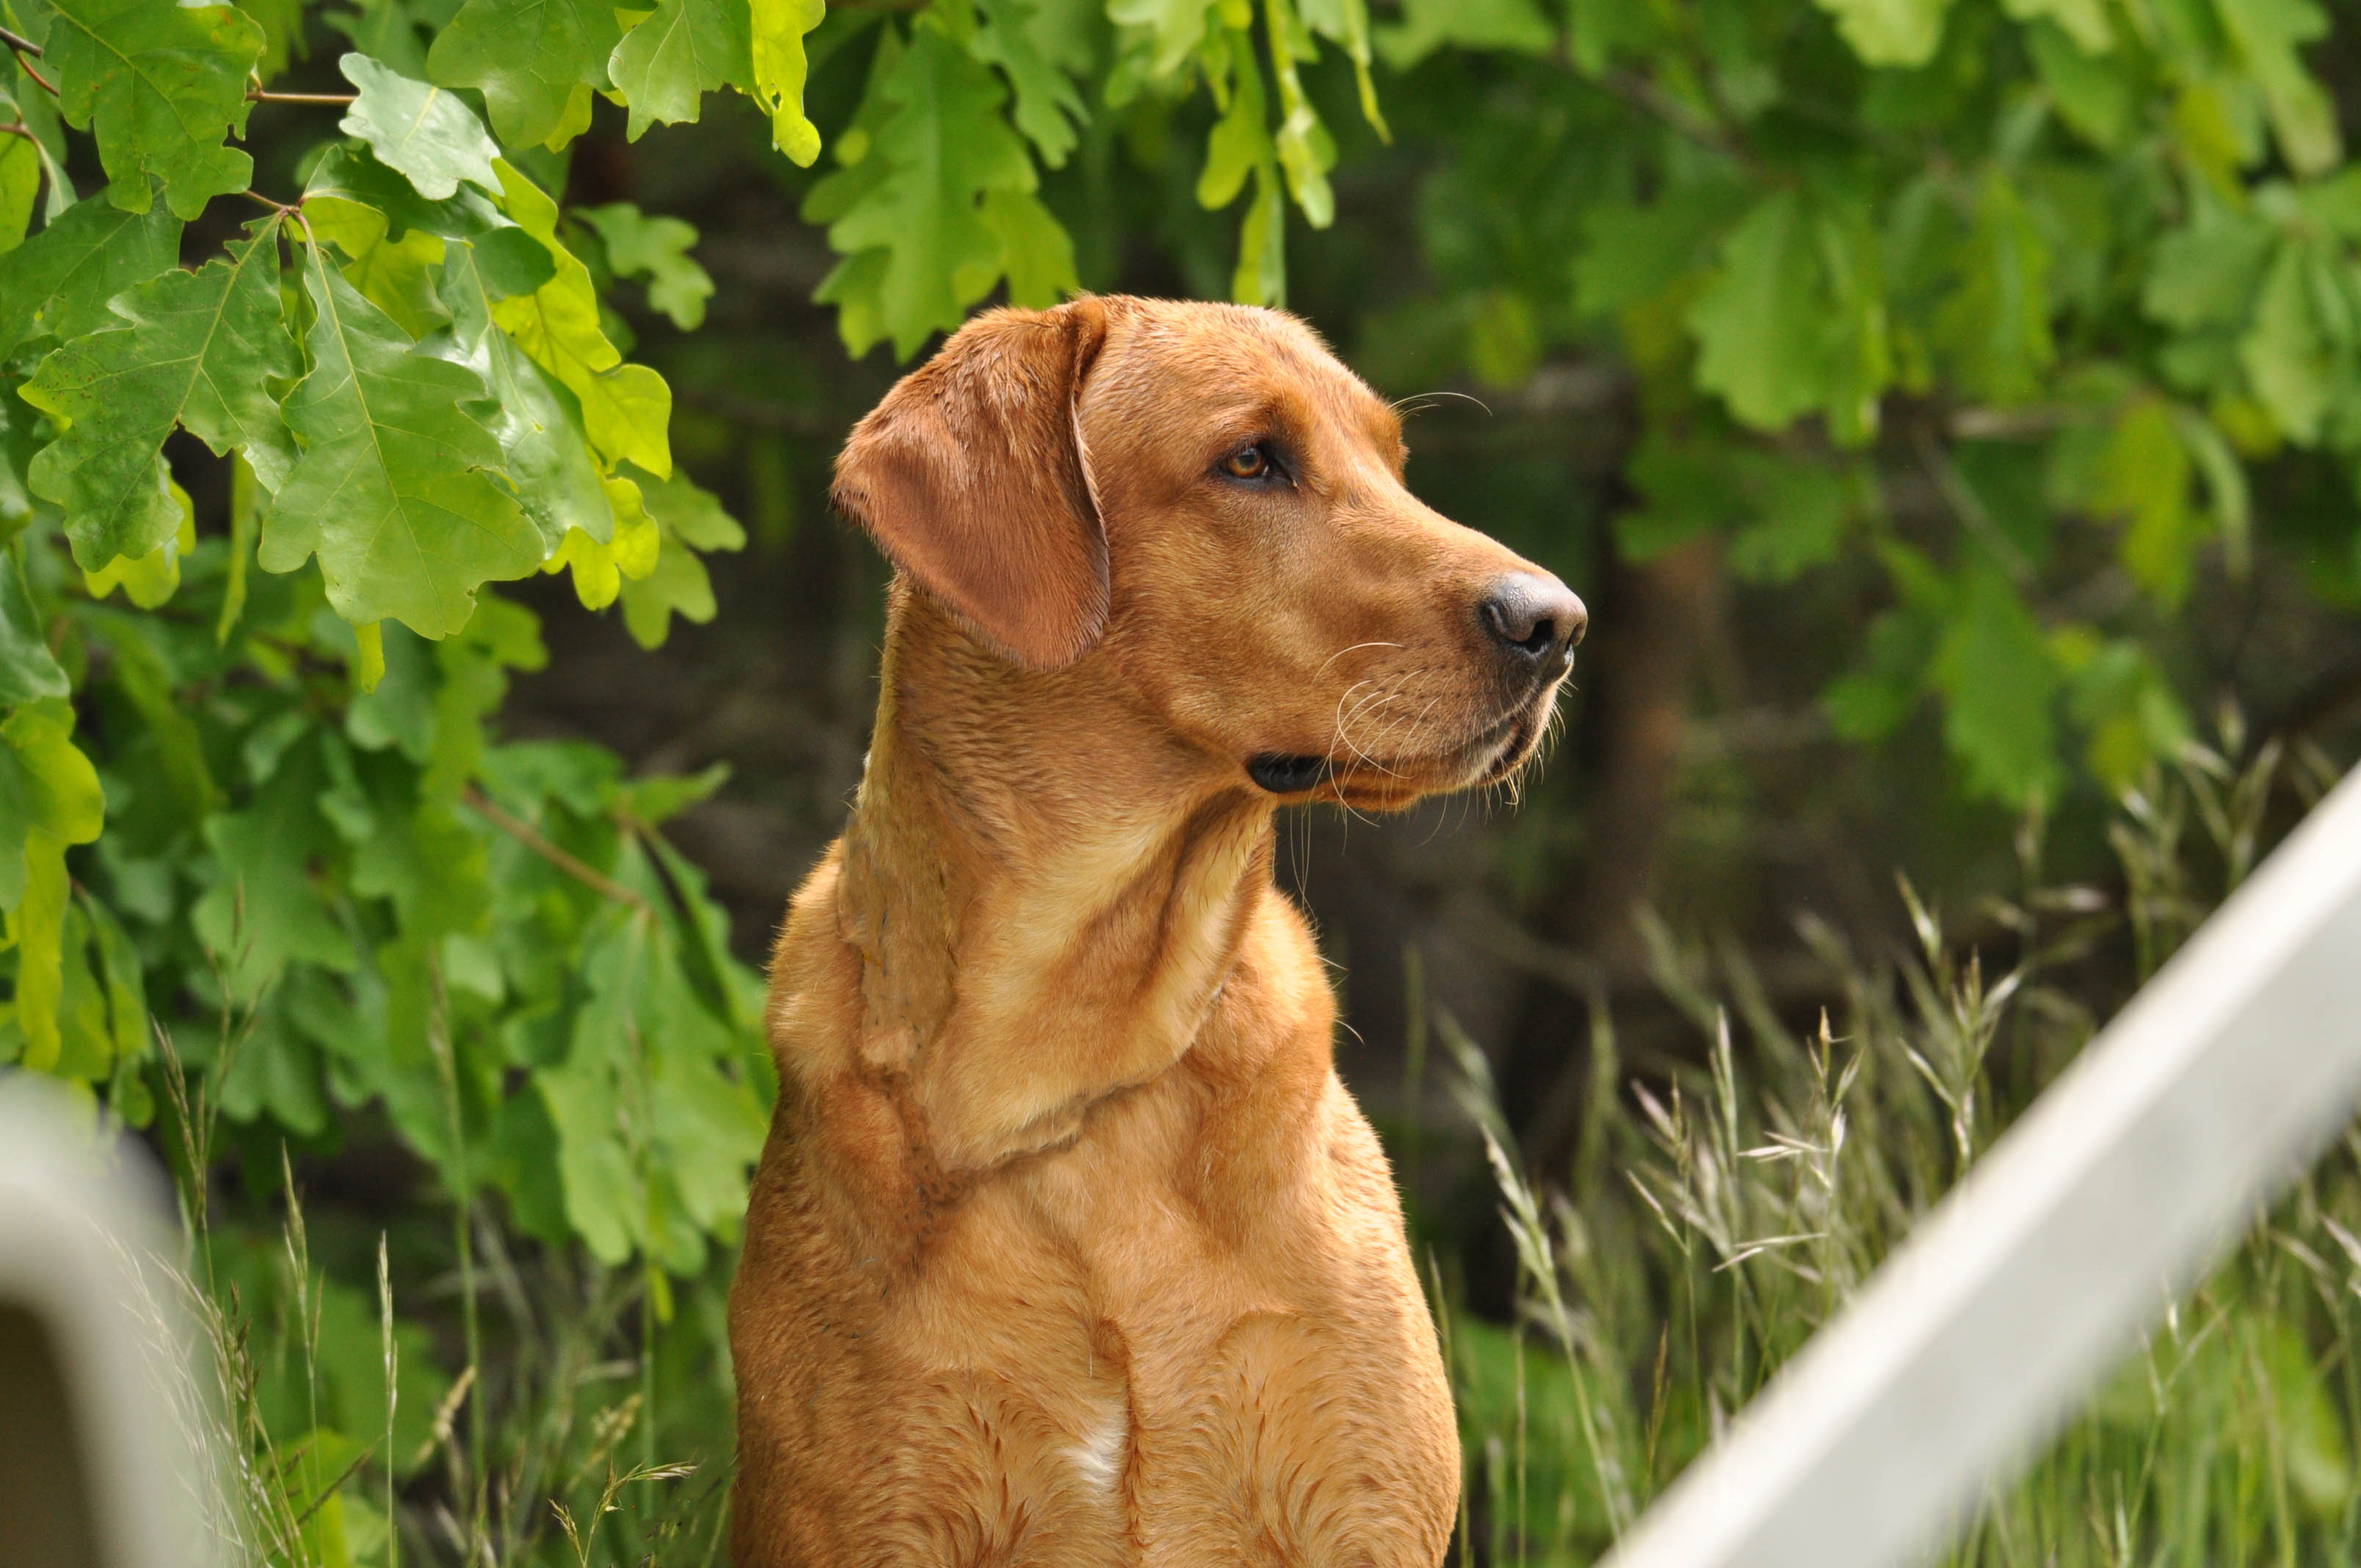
{"points": [[1284, 773]]}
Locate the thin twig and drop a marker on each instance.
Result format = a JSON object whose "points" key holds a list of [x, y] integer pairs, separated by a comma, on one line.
{"points": [[24, 62], [27, 52], [281, 208], [20, 129], [257, 95], [531, 838]]}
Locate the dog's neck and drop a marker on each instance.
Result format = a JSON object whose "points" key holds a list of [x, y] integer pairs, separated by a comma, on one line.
{"points": [[1047, 889]]}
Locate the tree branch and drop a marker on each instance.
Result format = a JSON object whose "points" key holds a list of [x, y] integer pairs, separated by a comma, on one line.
{"points": [[531, 838]]}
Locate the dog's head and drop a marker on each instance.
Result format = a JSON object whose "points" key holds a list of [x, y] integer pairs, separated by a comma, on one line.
{"points": [[1201, 502]]}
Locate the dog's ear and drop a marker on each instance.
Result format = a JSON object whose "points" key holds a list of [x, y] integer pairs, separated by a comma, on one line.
{"points": [[971, 477]]}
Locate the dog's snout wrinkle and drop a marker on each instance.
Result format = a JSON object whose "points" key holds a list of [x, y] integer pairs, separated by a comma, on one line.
{"points": [[1534, 617]]}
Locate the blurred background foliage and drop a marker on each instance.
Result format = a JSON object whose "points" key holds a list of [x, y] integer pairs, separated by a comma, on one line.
{"points": [[1951, 412]]}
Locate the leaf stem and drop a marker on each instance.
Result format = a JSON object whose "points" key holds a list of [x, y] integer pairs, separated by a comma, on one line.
{"points": [[28, 52], [257, 95], [531, 838], [281, 208]]}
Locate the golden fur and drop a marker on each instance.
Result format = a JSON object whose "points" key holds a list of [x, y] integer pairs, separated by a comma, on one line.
{"points": [[1067, 1247]]}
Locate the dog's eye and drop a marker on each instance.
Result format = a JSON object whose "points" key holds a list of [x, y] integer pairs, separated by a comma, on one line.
{"points": [[1249, 463]]}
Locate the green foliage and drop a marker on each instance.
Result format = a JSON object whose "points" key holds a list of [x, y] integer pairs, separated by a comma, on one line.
{"points": [[232, 783], [2028, 272]]}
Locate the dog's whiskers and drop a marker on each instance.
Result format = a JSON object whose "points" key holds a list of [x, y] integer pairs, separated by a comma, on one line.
{"points": [[1341, 652]]}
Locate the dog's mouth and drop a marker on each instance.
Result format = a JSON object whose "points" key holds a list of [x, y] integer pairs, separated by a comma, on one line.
{"points": [[1283, 774], [1390, 783]]}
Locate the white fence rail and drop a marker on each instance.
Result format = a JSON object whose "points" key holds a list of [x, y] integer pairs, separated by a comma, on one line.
{"points": [[2210, 1094]]}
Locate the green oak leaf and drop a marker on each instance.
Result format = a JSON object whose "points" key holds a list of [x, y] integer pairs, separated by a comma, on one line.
{"points": [[1306, 151], [1993, 667], [665, 66], [160, 85], [394, 491], [199, 353], [2287, 353], [1430, 25], [657, 249], [266, 906], [1868, 704], [2084, 21], [1032, 56], [1035, 249], [29, 671], [1759, 325], [2204, 274], [421, 131], [1889, 32], [2145, 474], [942, 146], [2271, 34], [396, 276], [57, 283], [1631, 253], [527, 58], [1178, 26], [50, 797], [536, 422], [1240, 140], [2100, 94], [626, 408], [780, 68], [1995, 323], [20, 183], [690, 520]]}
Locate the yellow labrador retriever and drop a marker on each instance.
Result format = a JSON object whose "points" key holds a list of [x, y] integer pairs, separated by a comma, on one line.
{"points": [[1067, 1247]]}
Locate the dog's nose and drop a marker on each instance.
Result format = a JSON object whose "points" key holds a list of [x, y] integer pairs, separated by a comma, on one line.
{"points": [[1533, 616]]}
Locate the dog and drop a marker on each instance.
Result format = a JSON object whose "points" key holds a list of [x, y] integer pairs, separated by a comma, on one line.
{"points": [[1067, 1247]]}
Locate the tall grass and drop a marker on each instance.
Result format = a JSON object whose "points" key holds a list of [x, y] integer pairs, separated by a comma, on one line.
{"points": [[1713, 1220], [340, 1441]]}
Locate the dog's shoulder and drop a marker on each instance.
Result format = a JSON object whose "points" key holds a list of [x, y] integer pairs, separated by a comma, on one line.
{"points": [[814, 1010]]}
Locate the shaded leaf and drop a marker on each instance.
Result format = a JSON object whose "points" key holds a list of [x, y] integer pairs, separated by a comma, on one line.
{"points": [[1994, 671], [29, 671], [657, 249], [57, 283], [627, 409], [199, 353], [537, 423], [1427, 26]]}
